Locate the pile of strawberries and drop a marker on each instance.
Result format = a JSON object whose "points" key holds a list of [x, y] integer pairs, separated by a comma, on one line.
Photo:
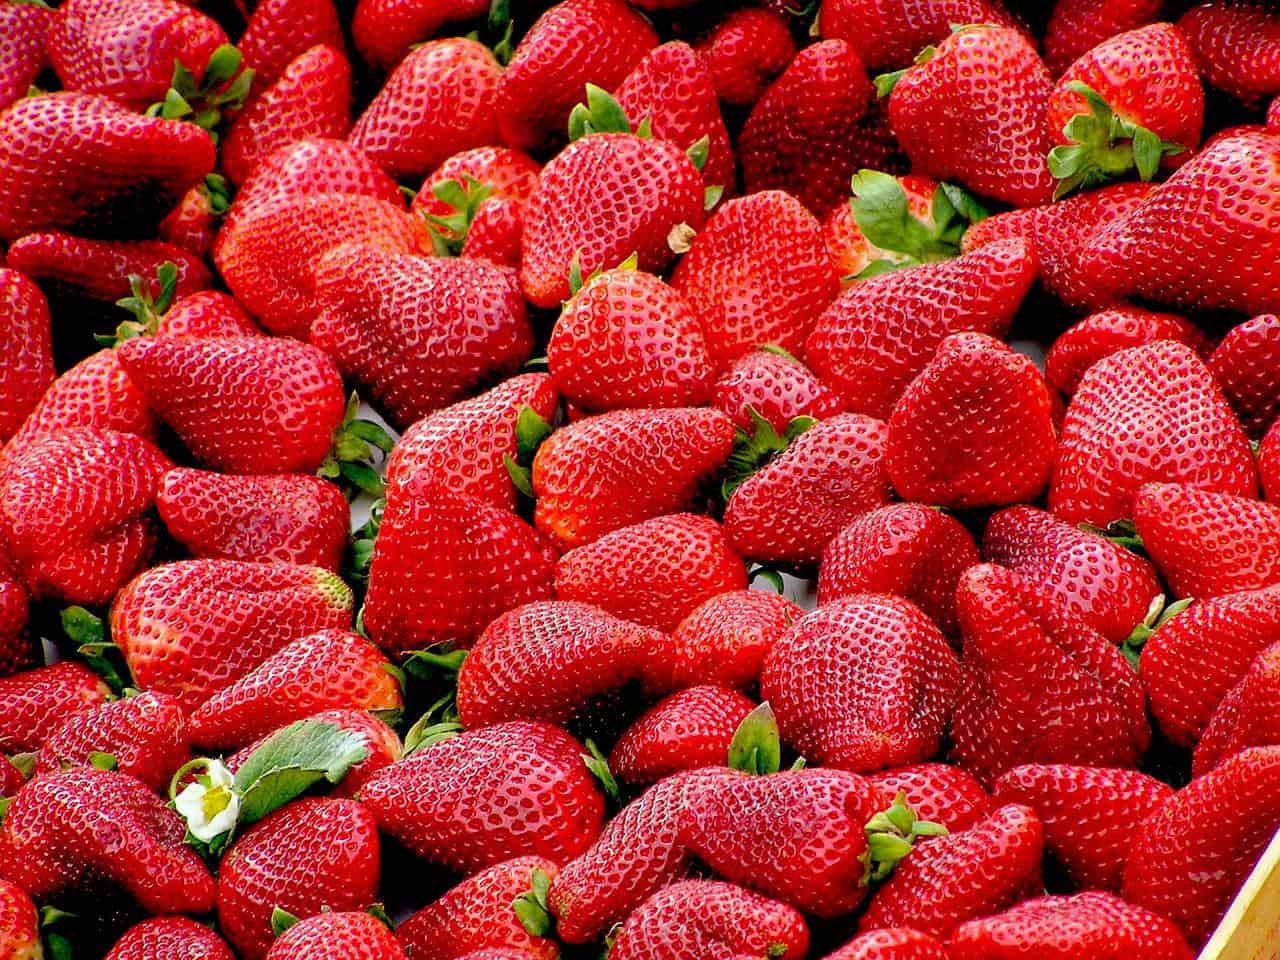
{"points": [[644, 479]]}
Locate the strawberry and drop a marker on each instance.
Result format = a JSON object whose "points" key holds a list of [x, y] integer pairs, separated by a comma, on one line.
{"points": [[1237, 46], [573, 43], [1245, 365], [757, 274], [1248, 716], [862, 683], [100, 269], [1090, 815], [241, 404], [496, 232], [880, 333], [84, 161], [329, 936], [1269, 462], [888, 33], [28, 347], [191, 628], [745, 52], [484, 218], [710, 918], [17, 647], [1096, 925], [192, 224], [654, 572], [37, 701], [905, 549], [776, 386], [1110, 588], [954, 125], [1189, 859], [170, 938], [11, 778], [97, 831], [805, 135], [616, 469], [423, 332], [440, 802], [294, 518], [1077, 26], [478, 914], [1040, 686], [310, 856], [946, 795], [444, 565], [385, 30], [281, 30], [24, 27], [1110, 443], [689, 729], [145, 735], [205, 313], [891, 944], [626, 339], [75, 511], [549, 661], [1273, 115], [722, 641]]}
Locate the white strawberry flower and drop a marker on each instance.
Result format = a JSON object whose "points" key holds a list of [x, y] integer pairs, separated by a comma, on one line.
{"points": [[209, 805]]}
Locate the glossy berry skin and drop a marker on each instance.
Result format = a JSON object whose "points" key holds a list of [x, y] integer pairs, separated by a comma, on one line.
{"points": [[206, 313], [81, 829], [293, 518], [1077, 26], [938, 792], [901, 943], [36, 701], [328, 936], [849, 247], [441, 802], [1269, 462], [311, 854], [745, 52], [1110, 442], [28, 348], [17, 645], [384, 30], [498, 227], [904, 549], [23, 55], [280, 30], [170, 938], [689, 729], [708, 918], [1237, 47], [99, 269], [476, 915], [779, 388], [1248, 716], [863, 683], [1245, 365], [1237, 806], [888, 33]]}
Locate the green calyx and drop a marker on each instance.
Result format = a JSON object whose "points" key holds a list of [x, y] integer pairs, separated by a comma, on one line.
{"points": [[598, 764], [891, 835], [500, 25], [1123, 533], [94, 646], [752, 451], [435, 670], [464, 197], [147, 309], [224, 88], [359, 447], [1158, 614], [885, 82], [362, 540], [1104, 146], [576, 279], [601, 113], [281, 920], [756, 746], [532, 908], [531, 430]]}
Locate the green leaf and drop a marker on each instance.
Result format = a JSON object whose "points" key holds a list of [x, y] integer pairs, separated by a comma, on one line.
{"points": [[753, 451], [699, 151], [82, 627], [532, 907], [531, 430], [521, 477], [645, 129], [598, 764], [600, 114], [102, 760], [423, 734], [379, 912], [4, 807], [768, 575], [1146, 152], [891, 835], [25, 762], [223, 64], [291, 761], [885, 82], [281, 920], [575, 272], [711, 196], [756, 747]]}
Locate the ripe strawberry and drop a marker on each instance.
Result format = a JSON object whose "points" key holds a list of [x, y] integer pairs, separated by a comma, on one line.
{"points": [[205, 313], [757, 274], [1040, 686], [1273, 115], [805, 135], [905, 549], [329, 936], [385, 30], [776, 386], [36, 701], [880, 333], [1237, 46], [689, 729], [937, 792], [626, 339], [888, 33], [478, 914], [1245, 365], [745, 52], [281, 30], [422, 332], [1189, 858], [1111, 441], [573, 43], [710, 918], [24, 27], [1248, 716], [17, 645], [1269, 462], [170, 938], [145, 734], [654, 572], [28, 348], [192, 224], [1096, 925], [78, 160], [891, 944], [445, 565], [100, 269], [294, 518], [1077, 26], [1090, 815], [310, 856], [11, 778], [484, 219], [440, 802], [191, 628], [97, 831], [616, 469]]}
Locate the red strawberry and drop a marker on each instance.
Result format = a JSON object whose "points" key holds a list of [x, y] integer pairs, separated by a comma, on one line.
{"points": [[880, 333], [330, 936], [100, 269], [706, 918], [310, 856], [484, 219], [745, 52], [11, 778], [1112, 589], [1245, 365], [854, 253], [496, 233], [862, 684], [281, 30], [170, 938], [478, 914], [241, 404], [23, 27], [687, 730], [423, 332], [17, 646], [757, 274], [1096, 925], [1237, 46], [385, 30], [775, 385], [904, 549], [1189, 858], [654, 572], [1077, 26], [937, 792], [295, 518], [1090, 815], [891, 944], [445, 565], [192, 628], [573, 43], [1112, 439], [206, 313], [805, 135], [441, 802], [888, 33], [1248, 716], [723, 641], [616, 469], [84, 161], [1269, 462], [549, 661], [1273, 115], [955, 125], [145, 734], [36, 701], [28, 348], [193, 222], [85, 830], [1040, 686]]}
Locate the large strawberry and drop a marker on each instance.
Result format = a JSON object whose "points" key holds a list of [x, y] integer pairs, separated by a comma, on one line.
{"points": [[170, 938], [385, 30], [1248, 716], [1237, 46], [329, 936], [1245, 364], [24, 28], [691, 728], [28, 348], [745, 52], [888, 33], [280, 30], [776, 386], [36, 701], [938, 792], [205, 313], [1077, 26]]}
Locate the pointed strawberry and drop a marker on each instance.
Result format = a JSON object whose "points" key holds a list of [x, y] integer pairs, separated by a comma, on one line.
{"points": [[1236, 47], [36, 701], [894, 943], [775, 385], [28, 347], [938, 792], [328, 936], [1248, 716], [281, 30], [169, 938], [889, 34], [1245, 365], [745, 52], [1077, 26], [479, 195], [23, 54], [195, 219], [385, 30], [689, 729], [100, 269]]}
